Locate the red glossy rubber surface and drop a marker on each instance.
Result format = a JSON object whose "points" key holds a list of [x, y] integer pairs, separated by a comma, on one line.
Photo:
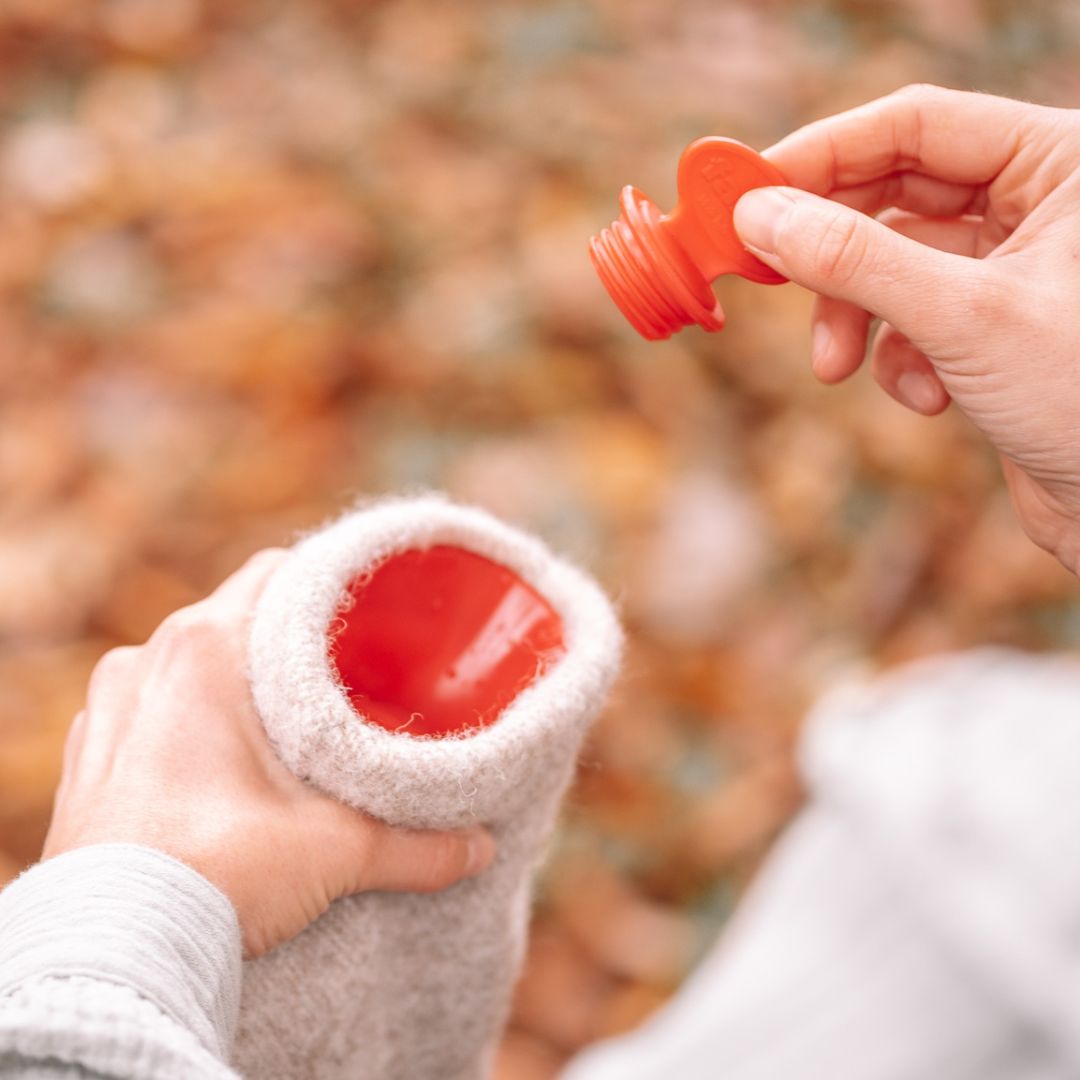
{"points": [[439, 641], [657, 268]]}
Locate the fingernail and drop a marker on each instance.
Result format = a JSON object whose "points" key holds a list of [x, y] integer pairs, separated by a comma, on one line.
{"points": [[758, 216], [480, 853], [820, 341], [917, 391]]}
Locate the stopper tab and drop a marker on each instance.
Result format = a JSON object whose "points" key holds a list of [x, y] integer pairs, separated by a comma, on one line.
{"points": [[714, 173], [658, 269]]}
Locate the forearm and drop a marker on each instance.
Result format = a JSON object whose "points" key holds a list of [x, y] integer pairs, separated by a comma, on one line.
{"points": [[119, 961]]}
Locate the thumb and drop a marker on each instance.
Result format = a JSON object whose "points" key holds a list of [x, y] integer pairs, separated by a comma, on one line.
{"points": [[368, 854], [405, 860], [839, 252]]}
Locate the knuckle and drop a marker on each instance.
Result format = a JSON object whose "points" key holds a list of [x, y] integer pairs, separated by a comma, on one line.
{"points": [[259, 562], [920, 93], [119, 658], [112, 665], [190, 627], [840, 250], [267, 556]]}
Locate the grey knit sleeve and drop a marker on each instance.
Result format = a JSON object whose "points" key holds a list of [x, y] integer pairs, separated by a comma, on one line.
{"points": [[117, 961]]}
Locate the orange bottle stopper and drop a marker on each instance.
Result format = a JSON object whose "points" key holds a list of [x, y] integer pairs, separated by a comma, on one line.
{"points": [[659, 268], [440, 641]]}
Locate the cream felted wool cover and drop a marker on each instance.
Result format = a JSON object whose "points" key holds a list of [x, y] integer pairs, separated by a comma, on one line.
{"points": [[400, 986]]}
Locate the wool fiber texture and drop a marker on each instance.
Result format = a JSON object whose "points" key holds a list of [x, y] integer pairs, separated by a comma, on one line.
{"points": [[395, 986]]}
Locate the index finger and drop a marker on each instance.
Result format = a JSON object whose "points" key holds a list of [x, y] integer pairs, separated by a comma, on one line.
{"points": [[952, 135]]}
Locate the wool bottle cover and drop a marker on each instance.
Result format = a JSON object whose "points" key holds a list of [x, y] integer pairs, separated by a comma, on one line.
{"points": [[431, 666]]}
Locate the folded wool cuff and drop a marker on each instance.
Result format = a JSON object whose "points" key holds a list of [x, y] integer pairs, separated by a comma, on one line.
{"points": [[398, 985]]}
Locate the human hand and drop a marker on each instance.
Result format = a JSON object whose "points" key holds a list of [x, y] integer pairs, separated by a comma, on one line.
{"points": [[973, 266], [170, 753]]}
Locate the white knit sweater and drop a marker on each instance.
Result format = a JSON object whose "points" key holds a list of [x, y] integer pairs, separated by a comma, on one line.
{"points": [[117, 961]]}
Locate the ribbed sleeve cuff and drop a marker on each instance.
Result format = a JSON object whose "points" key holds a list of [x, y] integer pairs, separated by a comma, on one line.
{"points": [[134, 917]]}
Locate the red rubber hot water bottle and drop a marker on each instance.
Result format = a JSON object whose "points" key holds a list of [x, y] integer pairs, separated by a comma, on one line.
{"points": [[659, 268], [439, 641]]}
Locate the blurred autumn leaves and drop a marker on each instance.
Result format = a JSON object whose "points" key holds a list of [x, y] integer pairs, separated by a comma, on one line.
{"points": [[257, 258]]}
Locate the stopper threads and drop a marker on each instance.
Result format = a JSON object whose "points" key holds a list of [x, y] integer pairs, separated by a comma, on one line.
{"points": [[649, 276]]}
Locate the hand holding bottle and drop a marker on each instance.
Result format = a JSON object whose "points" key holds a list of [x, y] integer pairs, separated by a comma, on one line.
{"points": [[169, 753]]}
